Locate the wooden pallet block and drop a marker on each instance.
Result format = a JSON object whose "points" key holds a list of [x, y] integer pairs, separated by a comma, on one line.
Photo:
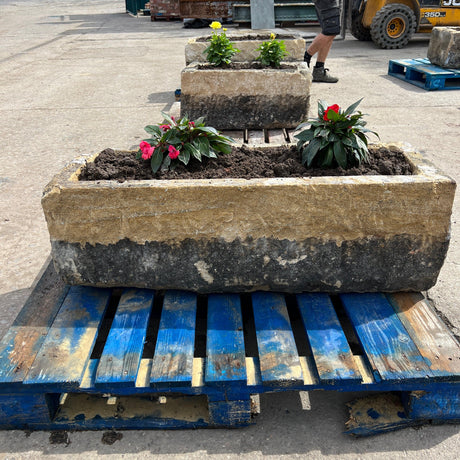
{"points": [[254, 137], [420, 72], [91, 358]]}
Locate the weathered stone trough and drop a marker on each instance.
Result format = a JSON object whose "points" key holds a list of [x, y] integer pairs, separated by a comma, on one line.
{"points": [[247, 43], [249, 96], [333, 234]]}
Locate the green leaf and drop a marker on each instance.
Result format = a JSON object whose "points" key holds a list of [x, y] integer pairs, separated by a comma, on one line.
{"points": [[184, 155], [166, 163], [167, 118], [340, 154], [221, 147], [328, 156], [310, 151], [305, 136], [352, 107], [153, 129], [156, 160]]}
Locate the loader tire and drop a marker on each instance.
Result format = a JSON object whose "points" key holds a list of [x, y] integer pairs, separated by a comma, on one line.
{"points": [[393, 26], [358, 30]]}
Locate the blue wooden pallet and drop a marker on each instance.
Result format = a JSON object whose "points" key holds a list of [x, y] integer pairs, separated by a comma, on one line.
{"points": [[89, 358], [422, 73]]}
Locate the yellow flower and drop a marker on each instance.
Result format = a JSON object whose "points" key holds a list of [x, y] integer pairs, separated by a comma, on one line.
{"points": [[215, 25], [224, 29], [272, 36]]}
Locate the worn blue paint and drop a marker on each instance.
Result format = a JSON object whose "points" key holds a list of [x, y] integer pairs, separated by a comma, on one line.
{"points": [[225, 353], [279, 360], [66, 349], [444, 405], [173, 359], [122, 353], [277, 368], [420, 72], [332, 354], [391, 352], [22, 341], [432, 337]]}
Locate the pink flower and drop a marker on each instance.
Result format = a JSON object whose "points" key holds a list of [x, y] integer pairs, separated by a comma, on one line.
{"points": [[147, 150], [165, 127], [147, 154], [144, 146], [173, 152], [191, 124]]}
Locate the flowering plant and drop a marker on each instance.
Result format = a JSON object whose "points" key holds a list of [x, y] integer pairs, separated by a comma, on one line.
{"points": [[221, 50], [181, 140], [336, 138], [272, 52]]}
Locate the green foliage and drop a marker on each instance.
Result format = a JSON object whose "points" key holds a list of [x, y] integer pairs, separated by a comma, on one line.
{"points": [[272, 52], [335, 138], [181, 140], [221, 50]]}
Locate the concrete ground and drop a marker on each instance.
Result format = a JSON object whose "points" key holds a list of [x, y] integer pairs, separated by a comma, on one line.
{"points": [[79, 76]]}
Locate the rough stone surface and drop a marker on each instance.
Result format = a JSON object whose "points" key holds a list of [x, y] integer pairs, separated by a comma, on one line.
{"points": [[247, 98], [381, 233], [444, 47], [295, 46]]}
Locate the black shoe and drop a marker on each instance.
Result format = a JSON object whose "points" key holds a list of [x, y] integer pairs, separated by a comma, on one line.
{"points": [[321, 74]]}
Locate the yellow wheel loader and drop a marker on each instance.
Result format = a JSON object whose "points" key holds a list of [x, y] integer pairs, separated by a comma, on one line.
{"points": [[391, 23]]}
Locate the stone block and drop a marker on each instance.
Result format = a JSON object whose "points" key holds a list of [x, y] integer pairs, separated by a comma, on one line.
{"points": [[247, 43], [330, 234], [444, 47], [246, 97]]}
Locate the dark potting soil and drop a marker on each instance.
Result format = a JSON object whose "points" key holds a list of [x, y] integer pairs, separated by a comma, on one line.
{"points": [[239, 38], [253, 65], [244, 163]]}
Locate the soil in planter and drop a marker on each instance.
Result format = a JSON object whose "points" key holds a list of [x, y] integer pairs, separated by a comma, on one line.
{"points": [[243, 163], [253, 65], [239, 38]]}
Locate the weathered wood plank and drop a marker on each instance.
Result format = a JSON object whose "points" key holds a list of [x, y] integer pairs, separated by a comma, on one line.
{"points": [[122, 353], [433, 339], [332, 354], [230, 413], [65, 352], [279, 359], [433, 405], [22, 341], [256, 137], [276, 136], [225, 340], [173, 359], [377, 414], [389, 349], [237, 136]]}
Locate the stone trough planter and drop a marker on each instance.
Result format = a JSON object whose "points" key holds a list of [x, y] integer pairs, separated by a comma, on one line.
{"points": [[247, 43], [247, 96], [332, 234]]}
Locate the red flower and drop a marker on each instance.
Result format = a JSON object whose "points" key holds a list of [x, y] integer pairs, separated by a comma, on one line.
{"points": [[173, 152], [165, 127], [191, 124], [335, 108]]}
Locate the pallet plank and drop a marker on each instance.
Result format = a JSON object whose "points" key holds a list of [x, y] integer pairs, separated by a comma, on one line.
{"points": [[65, 352], [21, 343], [333, 357], [420, 72], [432, 337], [173, 359], [389, 349], [122, 352], [225, 341], [279, 359]]}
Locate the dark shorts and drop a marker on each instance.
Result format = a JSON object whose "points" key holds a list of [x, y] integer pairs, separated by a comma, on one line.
{"points": [[329, 16]]}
